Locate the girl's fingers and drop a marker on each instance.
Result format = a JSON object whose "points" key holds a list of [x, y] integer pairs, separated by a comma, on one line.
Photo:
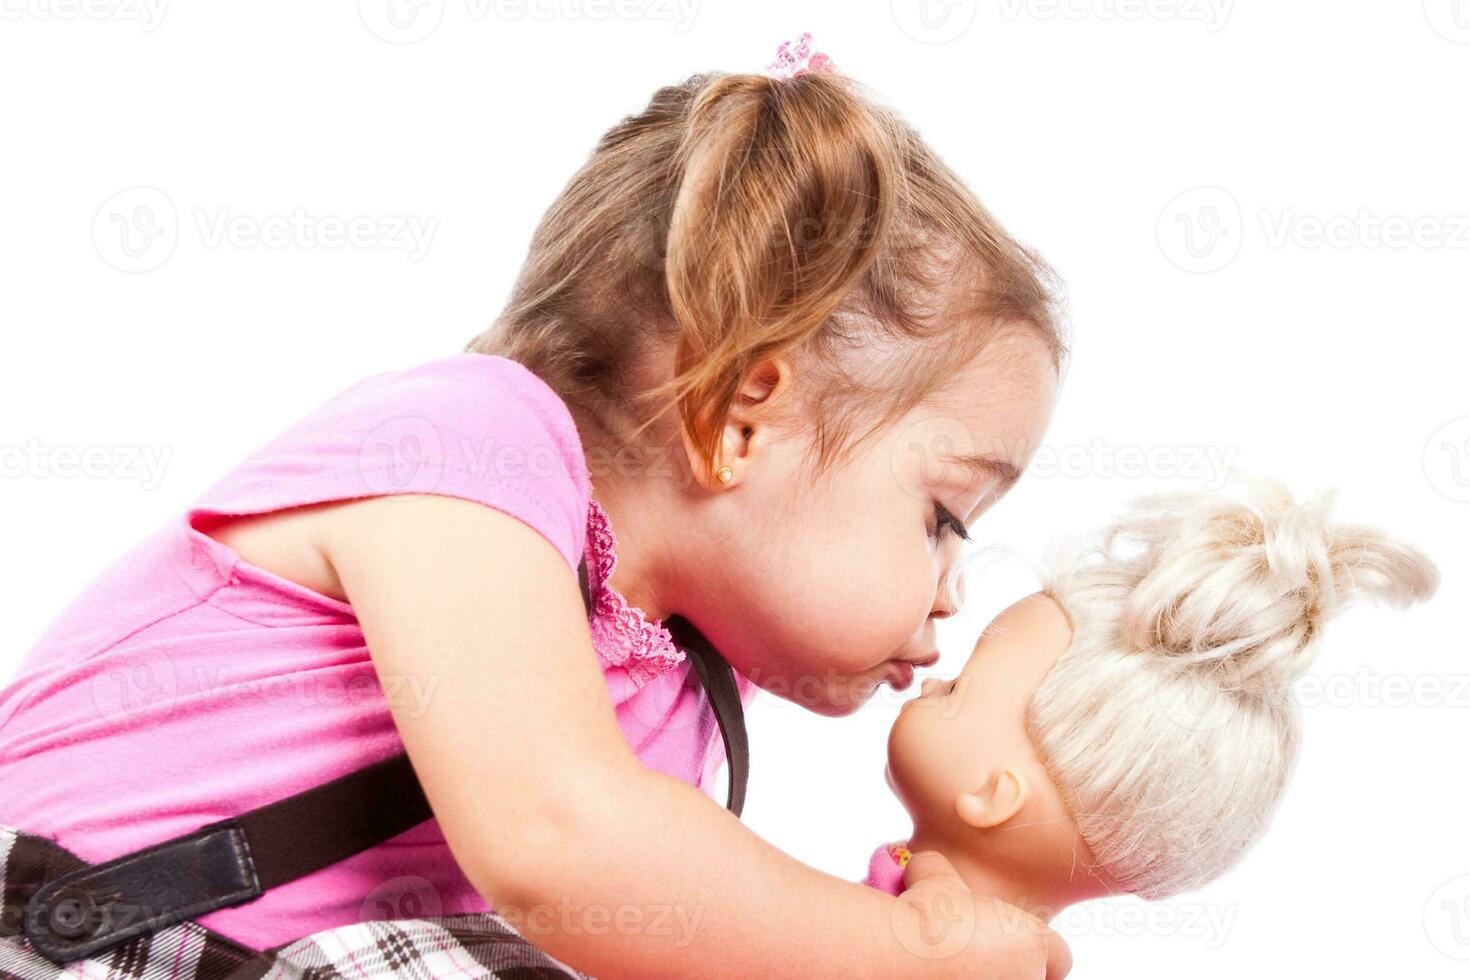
{"points": [[926, 864], [938, 918], [934, 918]]}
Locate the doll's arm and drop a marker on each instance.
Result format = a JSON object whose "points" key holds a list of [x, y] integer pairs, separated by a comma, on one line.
{"points": [[616, 869]]}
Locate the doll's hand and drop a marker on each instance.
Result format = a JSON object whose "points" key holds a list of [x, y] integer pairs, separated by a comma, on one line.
{"points": [[938, 919]]}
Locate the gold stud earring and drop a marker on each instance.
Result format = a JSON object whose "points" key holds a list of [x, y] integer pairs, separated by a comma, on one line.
{"points": [[724, 474]]}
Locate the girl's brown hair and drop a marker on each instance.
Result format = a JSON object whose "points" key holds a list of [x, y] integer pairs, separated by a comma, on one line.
{"points": [[740, 217]]}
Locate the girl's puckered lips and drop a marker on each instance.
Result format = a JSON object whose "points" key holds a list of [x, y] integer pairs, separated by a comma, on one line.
{"points": [[901, 672]]}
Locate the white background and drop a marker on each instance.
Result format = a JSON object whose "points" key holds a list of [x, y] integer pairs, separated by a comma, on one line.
{"points": [[1260, 210]]}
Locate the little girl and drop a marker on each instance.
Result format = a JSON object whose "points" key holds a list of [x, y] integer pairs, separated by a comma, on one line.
{"points": [[766, 362], [1131, 727]]}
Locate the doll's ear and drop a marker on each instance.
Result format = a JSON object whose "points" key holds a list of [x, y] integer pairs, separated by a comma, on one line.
{"points": [[1000, 799]]}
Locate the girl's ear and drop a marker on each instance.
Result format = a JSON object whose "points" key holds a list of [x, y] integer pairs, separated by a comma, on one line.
{"points": [[998, 800], [758, 401]]}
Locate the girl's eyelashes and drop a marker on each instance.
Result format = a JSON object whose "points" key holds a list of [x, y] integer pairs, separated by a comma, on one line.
{"points": [[944, 520]]}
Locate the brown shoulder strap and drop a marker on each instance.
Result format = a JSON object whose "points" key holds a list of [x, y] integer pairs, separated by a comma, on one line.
{"points": [[95, 908]]}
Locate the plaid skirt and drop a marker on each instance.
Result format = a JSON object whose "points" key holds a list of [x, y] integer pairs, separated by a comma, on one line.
{"points": [[476, 945]]}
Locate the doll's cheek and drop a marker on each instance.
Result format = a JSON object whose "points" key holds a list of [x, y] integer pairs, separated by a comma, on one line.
{"points": [[914, 743]]}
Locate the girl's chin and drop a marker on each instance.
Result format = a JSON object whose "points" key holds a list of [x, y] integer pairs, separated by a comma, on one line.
{"points": [[842, 708], [845, 696]]}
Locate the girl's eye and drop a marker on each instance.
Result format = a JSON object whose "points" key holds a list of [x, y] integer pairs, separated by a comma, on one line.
{"points": [[944, 520]]}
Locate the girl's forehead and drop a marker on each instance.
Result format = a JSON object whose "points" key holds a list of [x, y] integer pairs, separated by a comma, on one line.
{"points": [[988, 414], [1013, 364], [1000, 414]]}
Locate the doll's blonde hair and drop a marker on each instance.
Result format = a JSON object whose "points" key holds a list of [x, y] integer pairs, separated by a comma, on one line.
{"points": [[743, 216], [1169, 725]]}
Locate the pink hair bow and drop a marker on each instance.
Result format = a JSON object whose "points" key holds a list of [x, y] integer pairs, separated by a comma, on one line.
{"points": [[795, 57]]}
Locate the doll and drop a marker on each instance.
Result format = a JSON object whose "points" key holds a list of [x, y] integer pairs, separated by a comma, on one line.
{"points": [[1131, 727]]}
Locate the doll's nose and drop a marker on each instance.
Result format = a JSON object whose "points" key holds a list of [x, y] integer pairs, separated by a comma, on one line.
{"points": [[941, 608], [945, 595]]}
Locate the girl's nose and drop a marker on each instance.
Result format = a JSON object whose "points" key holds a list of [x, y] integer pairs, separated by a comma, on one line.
{"points": [[929, 686]]}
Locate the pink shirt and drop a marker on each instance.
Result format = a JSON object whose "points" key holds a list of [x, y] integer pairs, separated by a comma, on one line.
{"points": [[185, 685]]}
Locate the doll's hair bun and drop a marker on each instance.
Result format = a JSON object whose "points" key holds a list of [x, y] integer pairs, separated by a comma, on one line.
{"points": [[1241, 584], [1168, 725]]}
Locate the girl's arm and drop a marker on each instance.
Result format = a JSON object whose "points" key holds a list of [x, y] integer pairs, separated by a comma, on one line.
{"points": [[615, 868]]}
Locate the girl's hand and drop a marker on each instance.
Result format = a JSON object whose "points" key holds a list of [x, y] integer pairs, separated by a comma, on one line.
{"points": [[939, 918], [614, 868]]}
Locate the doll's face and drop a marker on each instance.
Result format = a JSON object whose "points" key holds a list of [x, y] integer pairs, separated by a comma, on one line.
{"points": [[959, 756], [828, 588]]}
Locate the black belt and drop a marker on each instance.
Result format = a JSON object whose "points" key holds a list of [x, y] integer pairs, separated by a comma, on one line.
{"points": [[95, 908]]}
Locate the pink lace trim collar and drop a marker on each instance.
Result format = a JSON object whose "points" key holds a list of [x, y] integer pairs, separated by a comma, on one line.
{"points": [[621, 634]]}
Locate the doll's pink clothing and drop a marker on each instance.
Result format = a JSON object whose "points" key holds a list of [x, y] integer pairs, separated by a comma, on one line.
{"points": [[885, 867], [185, 686]]}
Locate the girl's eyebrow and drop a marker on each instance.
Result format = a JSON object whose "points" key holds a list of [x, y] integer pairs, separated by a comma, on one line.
{"points": [[984, 464]]}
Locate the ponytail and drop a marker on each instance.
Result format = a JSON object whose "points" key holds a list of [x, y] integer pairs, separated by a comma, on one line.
{"points": [[786, 188], [741, 217]]}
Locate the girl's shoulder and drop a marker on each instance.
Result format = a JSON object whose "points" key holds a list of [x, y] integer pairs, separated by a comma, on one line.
{"points": [[475, 426]]}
